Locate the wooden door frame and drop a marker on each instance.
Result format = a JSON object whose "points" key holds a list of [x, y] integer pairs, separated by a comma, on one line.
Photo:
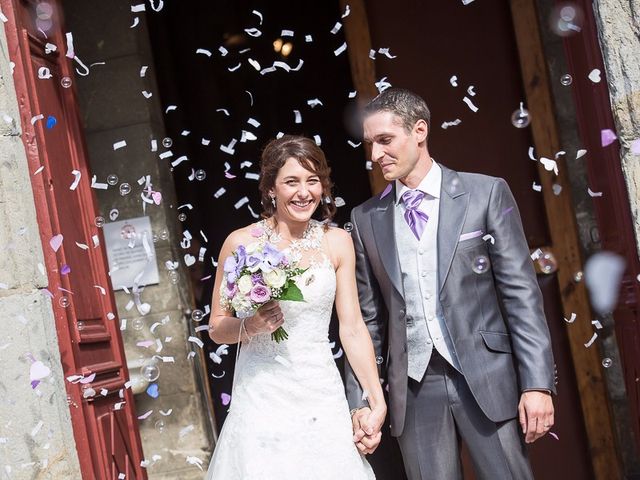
{"points": [[86, 426], [559, 209]]}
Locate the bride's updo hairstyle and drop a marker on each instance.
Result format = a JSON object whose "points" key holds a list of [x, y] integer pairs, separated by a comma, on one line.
{"points": [[309, 155]]}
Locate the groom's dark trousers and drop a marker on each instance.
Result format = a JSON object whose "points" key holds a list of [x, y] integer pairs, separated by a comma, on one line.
{"points": [[440, 412]]}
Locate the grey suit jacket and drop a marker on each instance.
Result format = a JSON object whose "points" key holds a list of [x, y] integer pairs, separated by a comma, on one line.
{"points": [[494, 319]]}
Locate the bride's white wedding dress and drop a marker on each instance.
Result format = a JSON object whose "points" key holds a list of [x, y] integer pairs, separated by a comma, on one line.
{"points": [[289, 417]]}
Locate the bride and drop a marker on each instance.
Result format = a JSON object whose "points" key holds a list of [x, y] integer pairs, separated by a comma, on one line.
{"points": [[289, 417]]}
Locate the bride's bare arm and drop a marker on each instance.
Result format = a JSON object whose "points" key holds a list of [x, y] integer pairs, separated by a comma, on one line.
{"points": [[224, 327], [354, 335]]}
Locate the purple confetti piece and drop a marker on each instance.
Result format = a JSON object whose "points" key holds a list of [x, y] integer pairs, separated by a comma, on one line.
{"points": [[35, 383], [65, 270], [386, 191], [226, 398], [635, 147], [607, 137], [507, 210]]}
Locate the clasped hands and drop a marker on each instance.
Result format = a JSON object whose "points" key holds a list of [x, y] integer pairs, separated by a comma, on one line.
{"points": [[367, 425]]}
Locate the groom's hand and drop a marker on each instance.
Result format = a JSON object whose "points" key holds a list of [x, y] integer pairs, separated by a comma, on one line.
{"points": [[536, 414]]}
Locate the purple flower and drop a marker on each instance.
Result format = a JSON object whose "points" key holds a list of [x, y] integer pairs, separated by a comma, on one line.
{"points": [[235, 263], [272, 255], [257, 278], [260, 294], [231, 290]]}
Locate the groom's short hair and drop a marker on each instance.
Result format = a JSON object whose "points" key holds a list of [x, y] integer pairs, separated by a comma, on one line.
{"points": [[407, 105]]}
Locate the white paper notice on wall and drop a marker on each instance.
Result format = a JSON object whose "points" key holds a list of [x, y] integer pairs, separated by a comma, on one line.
{"points": [[127, 255]]}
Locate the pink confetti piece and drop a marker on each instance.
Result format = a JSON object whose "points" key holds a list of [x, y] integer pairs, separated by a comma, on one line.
{"points": [[226, 398], [88, 379], [56, 242], [144, 416], [607, 137], [157, 197]]}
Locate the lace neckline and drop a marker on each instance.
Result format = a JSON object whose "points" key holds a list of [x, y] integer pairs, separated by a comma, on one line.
{"points": [[311, 239]]}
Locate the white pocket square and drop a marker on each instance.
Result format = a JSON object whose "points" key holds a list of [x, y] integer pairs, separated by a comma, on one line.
{"points": [[470, 235]]}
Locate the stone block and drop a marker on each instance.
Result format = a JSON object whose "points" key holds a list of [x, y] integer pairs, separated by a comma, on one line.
{"points": [[19, 235], [36, 423]]}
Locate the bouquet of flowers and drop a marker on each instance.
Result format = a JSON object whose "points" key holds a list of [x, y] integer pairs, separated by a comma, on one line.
{"points": [[256, 274]]}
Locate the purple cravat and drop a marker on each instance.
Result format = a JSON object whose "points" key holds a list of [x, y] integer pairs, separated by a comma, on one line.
{"points": [[416, 219]]}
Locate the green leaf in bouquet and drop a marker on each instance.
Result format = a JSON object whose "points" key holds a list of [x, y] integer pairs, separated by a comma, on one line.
{"points": [[291, 292]]}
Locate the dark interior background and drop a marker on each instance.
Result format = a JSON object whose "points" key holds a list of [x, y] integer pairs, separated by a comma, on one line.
{"points": [[199, 85]]}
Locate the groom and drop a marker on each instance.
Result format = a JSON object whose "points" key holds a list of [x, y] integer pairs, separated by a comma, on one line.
{"points": [[449, 295]]}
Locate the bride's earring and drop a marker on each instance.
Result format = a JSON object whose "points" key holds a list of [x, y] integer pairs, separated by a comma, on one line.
{"points": [[273, 201]]}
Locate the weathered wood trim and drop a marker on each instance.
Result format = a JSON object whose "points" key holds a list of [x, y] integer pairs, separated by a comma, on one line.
{"points": [[566, 247]]}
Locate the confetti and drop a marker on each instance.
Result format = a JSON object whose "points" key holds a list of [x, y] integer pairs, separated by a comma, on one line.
{"points": [[470, 104], [77, 175], [536, 187], [286, 33], [453, 123], [607, 137], [580, 153], [204, 51], [385, 52], [336, 28], [595, 75], [340, 49], [56, 242], [593, 194], [120, 144], [591, 340], [453, 81]]}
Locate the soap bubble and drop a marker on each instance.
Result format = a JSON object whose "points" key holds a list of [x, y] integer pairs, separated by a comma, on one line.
{"points": [[197, 315], [182, 217], [547, 262], [520, 118], [167, 142], [125, 189], [64, 302], [80, 325], [160, 426], [150, 371], [66, 82], [566, 79], [379, 360], [200, 174], [348, 226], [112, 179], [566, 19], [480, 264], [137, 324], [607, 362], [99, 221]]}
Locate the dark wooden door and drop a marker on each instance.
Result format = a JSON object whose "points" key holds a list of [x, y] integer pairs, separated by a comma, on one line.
{"points": [[102, 409], [461, 58]]}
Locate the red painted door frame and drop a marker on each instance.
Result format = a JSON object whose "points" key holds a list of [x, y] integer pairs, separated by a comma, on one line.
{"points": [[612, 210], [104, 425]]}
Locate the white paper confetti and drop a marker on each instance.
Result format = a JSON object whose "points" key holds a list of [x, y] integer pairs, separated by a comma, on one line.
{"points": [[203, 51], [120, 144], [591, 340], [340, 49], [470, 104], [593, 194], [77, 175]]}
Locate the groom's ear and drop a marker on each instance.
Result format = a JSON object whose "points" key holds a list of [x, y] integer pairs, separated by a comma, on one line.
{"points": [[421, 129]]}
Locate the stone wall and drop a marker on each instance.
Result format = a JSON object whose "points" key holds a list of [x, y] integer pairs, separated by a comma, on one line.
{"points": [[619, 28], [36, 438]]}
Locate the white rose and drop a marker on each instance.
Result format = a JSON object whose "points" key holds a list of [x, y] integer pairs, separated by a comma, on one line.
{"points": [[245, 284], [252, 248], [276, 278], [240, 304]]}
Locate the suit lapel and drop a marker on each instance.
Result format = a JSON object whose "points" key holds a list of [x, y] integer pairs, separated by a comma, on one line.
{"points": [[384, 231], [454, 202]]}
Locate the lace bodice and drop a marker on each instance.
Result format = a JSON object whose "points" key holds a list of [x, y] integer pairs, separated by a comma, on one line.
{"points": [[308, 321]]}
